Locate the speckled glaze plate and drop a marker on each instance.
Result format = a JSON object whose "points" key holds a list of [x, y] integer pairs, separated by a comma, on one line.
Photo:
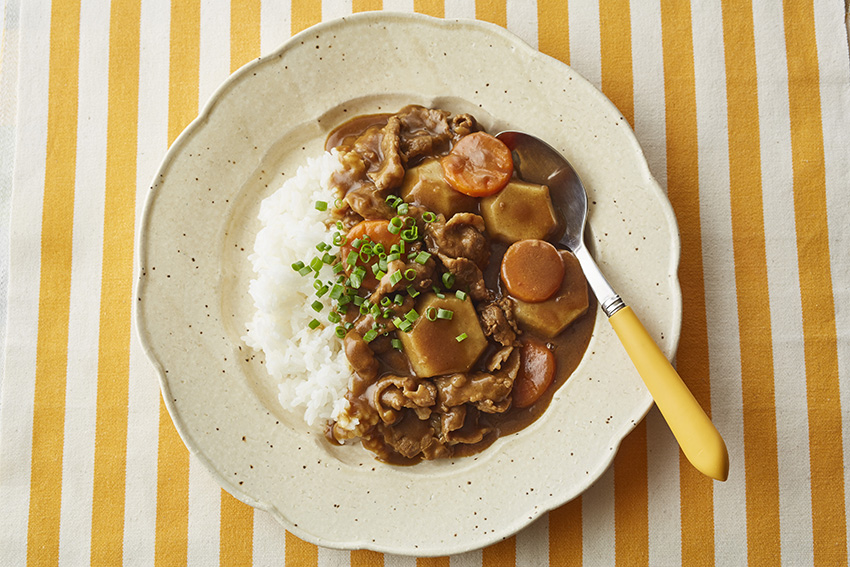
{"points": [[199, 226]]}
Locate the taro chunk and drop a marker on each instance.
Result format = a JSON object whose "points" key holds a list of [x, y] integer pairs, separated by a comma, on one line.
{"points": [[520, 211], [424, 185], [433, 347], [552, 316]]}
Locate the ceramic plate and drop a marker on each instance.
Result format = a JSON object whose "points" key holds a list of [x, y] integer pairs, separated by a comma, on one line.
{"points": [[199, 226]]}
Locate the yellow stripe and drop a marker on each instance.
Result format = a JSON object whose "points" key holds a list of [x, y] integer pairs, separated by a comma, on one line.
{"points": [[631, 502], [236, 532], [305, 13], [366, 5], [172, 490], [565, 534], [762, 473], [244, 32], [829, 522], [236, 519], [493, 11], [435, 8], [433, 562], [696, 491], [113, 369], [299, 552], [55, 286], [553, 29], [502, 554], [363, 558]]}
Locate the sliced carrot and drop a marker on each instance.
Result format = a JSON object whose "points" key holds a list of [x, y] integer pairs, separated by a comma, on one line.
{"points": [[478, 165], [536, 373], [532, 270], [378, 233]]}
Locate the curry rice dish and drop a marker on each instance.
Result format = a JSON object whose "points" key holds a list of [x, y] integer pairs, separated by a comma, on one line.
{"points": [[451, 317]]}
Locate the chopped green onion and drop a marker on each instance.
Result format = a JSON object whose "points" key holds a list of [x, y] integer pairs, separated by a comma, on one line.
{"points": [[338, 239], [339, 226], [395, 225], [382, 264], [397, 321], [322, 291], [316, 264], [358, 301], [352, 258], [398, 299], [314, 323], [429, 217], [328, 259], [380, 275], [448, 280], [340, 332], [298, 265], [412, 291], [357, 243], [411, 315], [338, 267], [305, 270], [394, 201], [431, 313], [445, 314], [323, 246], [460, 337], [334, 317], [386, 313], [386, 301], [410, 234], [348, 325], [409, 221], [422, 257], [321, 206], [370, 335], [393, 257], [344, 300], [403, 208], [410, 274], [437, 292], [395, 277], [460, 295], [360, 271], [355, 281], [405, 326], [336, 292], [378, 249], [317, 306], [396, 344], [338, 203]]}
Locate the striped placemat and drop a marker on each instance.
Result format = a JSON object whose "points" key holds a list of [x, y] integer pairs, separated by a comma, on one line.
{"points": [[743, 110]]}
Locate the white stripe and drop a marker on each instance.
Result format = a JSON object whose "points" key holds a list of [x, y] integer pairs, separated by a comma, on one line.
{"points": [[86, 271], [786, 312], [399, 561], [585, 43], [522, 20], [532, 543], [469, 559], [724, 353], [648, 69], [275, 24], [143, 387], [332, 557], [664, 512], [460, 9], [332, 9], [214, 60], [597, 521], [269, 541], [24, 267], [204, 516], [835, 101]]}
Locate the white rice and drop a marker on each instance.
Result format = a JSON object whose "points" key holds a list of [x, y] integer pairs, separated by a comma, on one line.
{"points": [[309, 365]]}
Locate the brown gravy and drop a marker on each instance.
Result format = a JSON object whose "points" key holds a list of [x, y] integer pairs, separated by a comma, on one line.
{"points": [[568, 347]]}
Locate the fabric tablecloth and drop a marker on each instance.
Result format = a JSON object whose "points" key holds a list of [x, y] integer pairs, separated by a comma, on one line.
{"points": [[743, 110]]}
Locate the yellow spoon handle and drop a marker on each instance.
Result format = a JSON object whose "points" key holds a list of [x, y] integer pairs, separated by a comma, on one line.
{"points": [[697, 436]]}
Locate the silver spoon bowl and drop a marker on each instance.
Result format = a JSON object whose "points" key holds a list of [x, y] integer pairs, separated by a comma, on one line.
{"points": [[537, 162]]}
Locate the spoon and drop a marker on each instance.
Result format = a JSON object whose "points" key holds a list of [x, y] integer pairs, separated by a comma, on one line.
{"points": [[538, 162]]}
